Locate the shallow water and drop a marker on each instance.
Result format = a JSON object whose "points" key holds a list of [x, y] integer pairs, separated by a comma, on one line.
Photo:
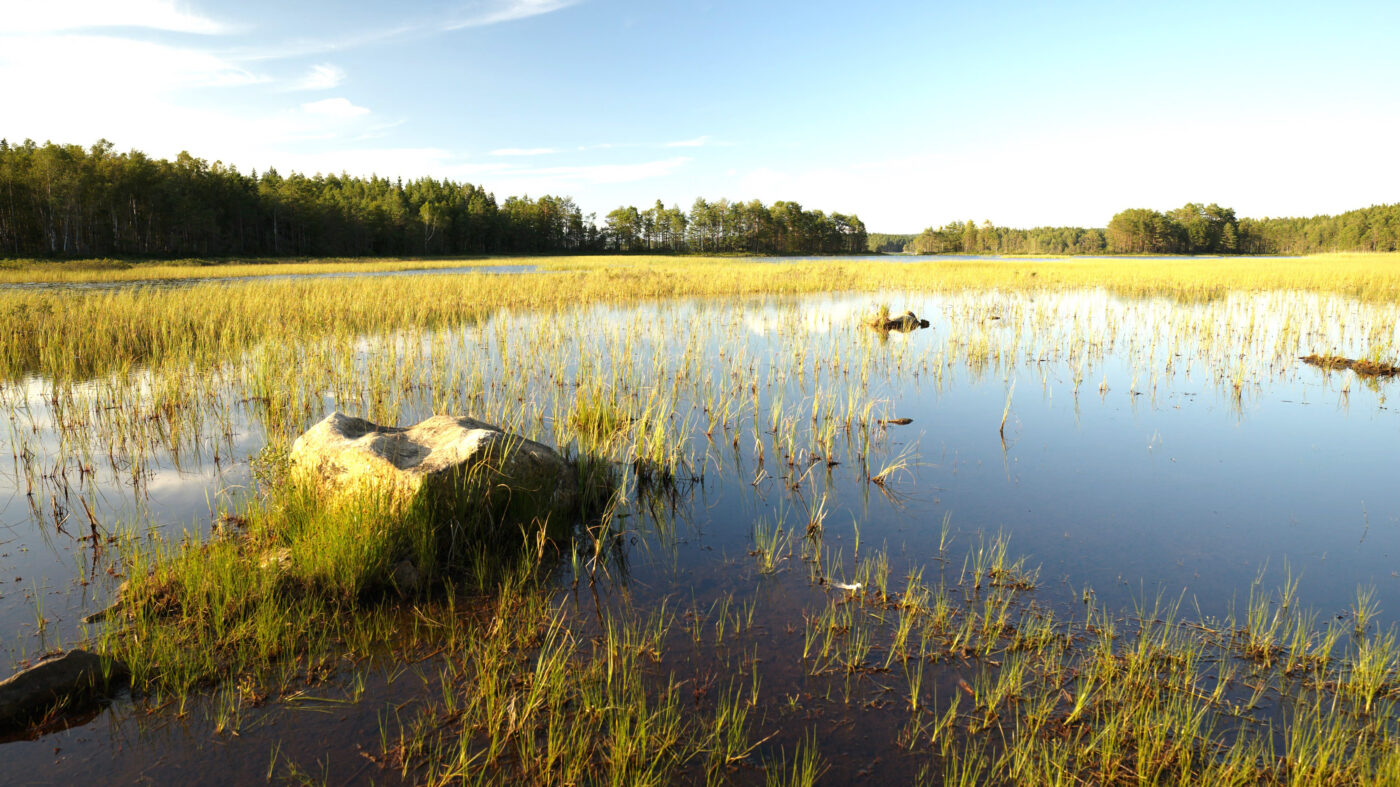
{"points": [[1149, 448]]}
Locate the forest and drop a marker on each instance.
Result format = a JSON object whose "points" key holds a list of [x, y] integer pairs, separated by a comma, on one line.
{"points": [[68, 201], [1191, 229], [740, 227]]}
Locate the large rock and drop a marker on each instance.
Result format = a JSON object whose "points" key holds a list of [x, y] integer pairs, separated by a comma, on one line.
{"points": [[70, 680], [432, 457]]}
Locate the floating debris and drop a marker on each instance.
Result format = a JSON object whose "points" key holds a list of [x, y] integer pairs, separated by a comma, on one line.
{"points": [[904, 323], [1362, 367]]}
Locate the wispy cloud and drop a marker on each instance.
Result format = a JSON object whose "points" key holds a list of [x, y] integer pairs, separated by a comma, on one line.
{"points": [[524, 151], [339, 108], [491, 12], [476, 13], [126, 65], [26, 16], [311, 47], [698, 142], [322, 76]]}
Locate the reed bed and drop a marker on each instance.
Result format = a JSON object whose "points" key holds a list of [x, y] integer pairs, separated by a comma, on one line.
{"points": [[110, 271], [985, 684], [107, 330], [658, 391]]}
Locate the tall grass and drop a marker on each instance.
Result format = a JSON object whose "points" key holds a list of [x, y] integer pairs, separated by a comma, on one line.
{"points": [[649, 401], [100, 331]]}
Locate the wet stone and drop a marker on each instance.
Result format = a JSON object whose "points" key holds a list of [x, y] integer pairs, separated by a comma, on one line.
{"points": [[69, 680]]}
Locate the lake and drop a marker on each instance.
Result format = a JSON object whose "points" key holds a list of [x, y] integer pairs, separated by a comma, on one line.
{"points": [[1131, 449]]}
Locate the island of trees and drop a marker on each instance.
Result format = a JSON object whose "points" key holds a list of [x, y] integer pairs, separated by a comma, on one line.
{"points": [[1191, 229], [68, 201]]}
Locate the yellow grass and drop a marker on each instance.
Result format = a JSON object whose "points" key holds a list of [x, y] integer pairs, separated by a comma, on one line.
{"points": [[66, 334], [105, 270], [1361, 275]]}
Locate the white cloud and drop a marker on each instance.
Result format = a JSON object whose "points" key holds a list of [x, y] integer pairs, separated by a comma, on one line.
{"points": [[524, 151], [37, 16], [490, 12], [105, 70], [689, 143], [323, 76], [311, 47], [339, 108], [162, 100]]}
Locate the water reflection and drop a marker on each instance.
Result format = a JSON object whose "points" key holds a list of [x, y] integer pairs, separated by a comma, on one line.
{"points": [[1142, 444]]}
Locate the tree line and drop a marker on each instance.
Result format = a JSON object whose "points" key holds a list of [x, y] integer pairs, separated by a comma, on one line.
{"points": [[984, 238], [747, 227], [886, 243], [1191, 229], [69, 201]]}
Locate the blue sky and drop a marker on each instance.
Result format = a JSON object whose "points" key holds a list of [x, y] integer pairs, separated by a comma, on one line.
{"points": [[909, 114]]}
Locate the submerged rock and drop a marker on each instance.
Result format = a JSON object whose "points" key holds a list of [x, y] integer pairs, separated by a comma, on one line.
{"points": [[432, 457], [1362, 366], [69, 680]]}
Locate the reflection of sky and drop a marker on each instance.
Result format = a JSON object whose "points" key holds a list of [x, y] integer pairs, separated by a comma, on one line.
{"points": [[812, 318], [1164, 480]]}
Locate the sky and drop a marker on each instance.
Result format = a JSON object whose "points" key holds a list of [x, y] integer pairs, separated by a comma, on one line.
{"points": [[908, 114]]}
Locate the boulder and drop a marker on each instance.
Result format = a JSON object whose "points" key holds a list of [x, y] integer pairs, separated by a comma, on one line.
{"points": [[69, 679], [431, 457]]}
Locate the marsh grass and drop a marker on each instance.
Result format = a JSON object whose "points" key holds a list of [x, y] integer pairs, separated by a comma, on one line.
{"points": [[309, 574], [997, 687], [106, 330], [1042, 699], [110, 271]]}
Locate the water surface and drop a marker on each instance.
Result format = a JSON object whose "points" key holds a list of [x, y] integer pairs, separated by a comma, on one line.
{"points": [[1148, 448]]}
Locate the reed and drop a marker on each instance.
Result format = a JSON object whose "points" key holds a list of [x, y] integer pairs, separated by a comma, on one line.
{"points": [[653, 401]]}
